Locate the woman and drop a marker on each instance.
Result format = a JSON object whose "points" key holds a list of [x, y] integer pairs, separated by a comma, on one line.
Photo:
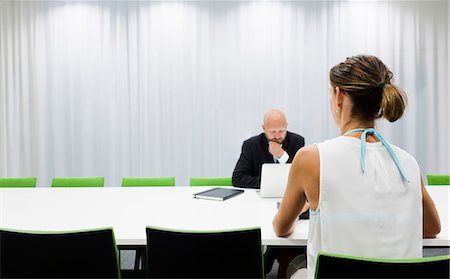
{"points": [[366, 196]]}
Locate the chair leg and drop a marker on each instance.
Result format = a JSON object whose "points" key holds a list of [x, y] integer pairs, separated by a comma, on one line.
{"points": [[137, 259]]}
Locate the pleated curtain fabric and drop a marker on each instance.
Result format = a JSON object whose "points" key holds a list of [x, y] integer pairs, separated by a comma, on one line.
{"points": [[172, 88]]}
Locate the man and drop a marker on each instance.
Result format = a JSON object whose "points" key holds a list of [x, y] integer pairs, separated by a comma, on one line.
{"points": [[275, 145]]}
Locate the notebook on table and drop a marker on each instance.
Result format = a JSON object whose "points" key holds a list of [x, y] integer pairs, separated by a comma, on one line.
{"points": [[218, 194], [274, 179]]}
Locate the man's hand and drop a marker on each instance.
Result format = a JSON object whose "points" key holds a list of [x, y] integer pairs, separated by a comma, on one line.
{"points": [[276, 149]]}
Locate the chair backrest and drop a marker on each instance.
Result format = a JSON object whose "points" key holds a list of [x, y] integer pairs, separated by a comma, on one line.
{"points": [[148, 181], [210, 181], [343, 266], [96, 181], [203, 254], [438, 179], [82, 254], [18, 181]]}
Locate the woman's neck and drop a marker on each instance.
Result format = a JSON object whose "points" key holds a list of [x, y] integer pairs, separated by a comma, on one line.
{"points": [[356, 125]]}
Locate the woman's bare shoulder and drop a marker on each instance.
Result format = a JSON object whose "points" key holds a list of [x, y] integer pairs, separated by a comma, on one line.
{"points": [[308, 155]]}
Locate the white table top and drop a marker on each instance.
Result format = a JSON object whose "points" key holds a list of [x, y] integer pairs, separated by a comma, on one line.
{"points": [[129, 210]]}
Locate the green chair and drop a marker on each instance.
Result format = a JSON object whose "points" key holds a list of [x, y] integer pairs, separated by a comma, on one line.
{"points": [[204, 254], [148, 181], [344, 266], [210, 181], [78, 254], [438, 179], [97, 181], [18, 182]]}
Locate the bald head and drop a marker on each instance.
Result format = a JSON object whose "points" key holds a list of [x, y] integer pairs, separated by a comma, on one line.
{"points": [[274, 115], [275, 125]]}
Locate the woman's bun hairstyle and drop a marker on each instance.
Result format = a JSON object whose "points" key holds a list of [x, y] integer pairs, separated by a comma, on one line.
{"points": [[367, 81]]}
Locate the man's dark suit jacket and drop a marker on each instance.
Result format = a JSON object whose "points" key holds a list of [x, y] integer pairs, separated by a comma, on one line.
{"points": [[255, 152]]}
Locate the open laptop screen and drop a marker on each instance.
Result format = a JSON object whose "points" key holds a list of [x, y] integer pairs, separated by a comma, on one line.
{"points": [[274, 178]]}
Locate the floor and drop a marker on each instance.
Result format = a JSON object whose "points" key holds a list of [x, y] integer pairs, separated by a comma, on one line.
{"points": [[127, 259], [273, 273], [435, 251]]}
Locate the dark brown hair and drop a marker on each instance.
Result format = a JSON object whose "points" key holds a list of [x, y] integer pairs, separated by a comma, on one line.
{"points": [[367, 81]]}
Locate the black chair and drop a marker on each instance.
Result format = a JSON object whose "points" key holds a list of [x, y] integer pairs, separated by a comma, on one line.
{"points": [[204, 254], [343, 266], [81, 254]]}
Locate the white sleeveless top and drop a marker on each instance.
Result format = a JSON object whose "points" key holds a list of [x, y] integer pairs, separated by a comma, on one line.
{"points": [[372, 214]]}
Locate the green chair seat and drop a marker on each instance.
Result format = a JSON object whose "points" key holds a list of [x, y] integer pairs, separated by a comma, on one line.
{"points": [[210, 181], [148, 181], [75, 254], [204, 254], [97, 181], [438, 179], [344, 266], [18, 182]]}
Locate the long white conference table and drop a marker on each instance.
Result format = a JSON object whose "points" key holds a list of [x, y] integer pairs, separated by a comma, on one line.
{"points": [[129, 210]]}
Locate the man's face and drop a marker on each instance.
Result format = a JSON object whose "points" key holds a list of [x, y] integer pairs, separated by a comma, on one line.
{"points": [[275, 130]]}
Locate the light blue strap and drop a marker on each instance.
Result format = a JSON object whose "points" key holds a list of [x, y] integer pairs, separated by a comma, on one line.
{"points": [[362, 154]]}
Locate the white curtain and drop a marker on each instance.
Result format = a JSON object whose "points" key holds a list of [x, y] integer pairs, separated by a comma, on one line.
{"points": [[135, 88]]}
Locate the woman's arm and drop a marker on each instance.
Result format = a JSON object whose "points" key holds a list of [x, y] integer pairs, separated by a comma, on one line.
{"points": [[302, 185], [431, 221]]}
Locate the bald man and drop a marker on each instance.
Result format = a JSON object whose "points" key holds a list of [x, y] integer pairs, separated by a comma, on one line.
{"points": [[274, 145]]}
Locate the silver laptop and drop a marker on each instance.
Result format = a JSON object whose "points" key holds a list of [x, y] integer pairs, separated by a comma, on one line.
{"points": [[274, 179]]}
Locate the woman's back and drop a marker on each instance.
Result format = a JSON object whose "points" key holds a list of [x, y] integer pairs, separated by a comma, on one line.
{"points": [[374, 213], [367, 198]]}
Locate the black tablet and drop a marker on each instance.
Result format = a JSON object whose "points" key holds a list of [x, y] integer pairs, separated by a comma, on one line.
{"points": [[218, 194]]}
